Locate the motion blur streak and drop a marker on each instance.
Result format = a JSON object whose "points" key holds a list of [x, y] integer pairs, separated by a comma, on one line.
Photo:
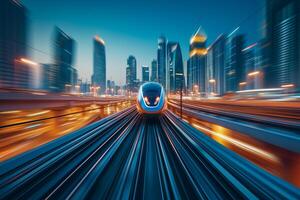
{"points": [[243, 145], [24, 130], [271, 142], [130, 156]]}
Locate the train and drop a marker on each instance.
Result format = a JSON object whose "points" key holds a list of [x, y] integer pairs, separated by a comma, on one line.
{"points": [[151, 98]]}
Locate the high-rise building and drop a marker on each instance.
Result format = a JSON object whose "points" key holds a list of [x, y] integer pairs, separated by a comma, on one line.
{"points": [[154, 71], [215, 66], [283, 43], [175, 73], [161, 60], [196, 64], [145, 74], [110, 89], [252, 64], [13, 39], [131, 74], [234, 69], [85, 88], [64, 50], [99, 69]]}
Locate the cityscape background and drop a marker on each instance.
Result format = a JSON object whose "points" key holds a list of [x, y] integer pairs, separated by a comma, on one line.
{"points": [[74, 98], [258, 48]]}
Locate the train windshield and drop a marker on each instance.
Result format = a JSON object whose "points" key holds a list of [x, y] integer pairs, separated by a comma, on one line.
{"points": [[152, 93]]}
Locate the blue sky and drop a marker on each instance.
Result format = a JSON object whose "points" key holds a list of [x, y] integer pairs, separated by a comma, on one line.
{"points": [[132, 27]]}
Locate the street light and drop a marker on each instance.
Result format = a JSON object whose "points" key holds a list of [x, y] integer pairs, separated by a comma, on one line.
{"points": [[242, 84], [27, 61], [255, 73], [287, 86]]}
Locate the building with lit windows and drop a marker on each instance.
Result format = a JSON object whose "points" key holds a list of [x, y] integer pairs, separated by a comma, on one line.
{"points": [[99, 67], [175, 72], [253, 65], [161, 61], [282, 44], [234, 68], [131, 74], [154, 71], [64, 50], [196, 63], [13, 40], [215, 67], [145, 74]]}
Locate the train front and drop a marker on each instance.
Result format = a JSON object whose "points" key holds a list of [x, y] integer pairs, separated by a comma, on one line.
{"points": [[151, 98]]}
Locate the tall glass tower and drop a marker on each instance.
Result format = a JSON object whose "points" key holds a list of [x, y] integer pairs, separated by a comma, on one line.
{"points": [[145, 74], [131, 73], [215, 67], [234, 69], [283, 43], [13, 38], [175, 72], [161, 61], [63, 71], [99, 76], [154, 70], [196, 64]]}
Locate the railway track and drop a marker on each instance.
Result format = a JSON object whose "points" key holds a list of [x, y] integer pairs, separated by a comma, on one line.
{"points": [[130, 156]]}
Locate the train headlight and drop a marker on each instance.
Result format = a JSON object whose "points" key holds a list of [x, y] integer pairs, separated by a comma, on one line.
{"points": [[147, 101], [156, 100]]}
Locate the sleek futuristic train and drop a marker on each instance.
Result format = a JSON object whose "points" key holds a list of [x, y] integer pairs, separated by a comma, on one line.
{"points": [[151, 98]]}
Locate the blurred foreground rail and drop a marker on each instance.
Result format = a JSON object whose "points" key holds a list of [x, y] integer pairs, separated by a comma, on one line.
{"points": [[129, 156], [270, 142], [37, 123]]}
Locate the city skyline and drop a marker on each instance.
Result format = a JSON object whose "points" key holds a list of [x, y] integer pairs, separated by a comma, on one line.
{"points": [[138, 42], [151, 99]]}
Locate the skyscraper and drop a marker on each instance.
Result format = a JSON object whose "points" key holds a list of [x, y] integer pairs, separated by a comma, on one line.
{"points": [[154, 70], [64, 49], [175, 72], [234, 69], [110, 87], [215, 66], [13, 38], [131, 74], [161, 61], [196, 64], [145, 74], [99, 76], [252, 64], [283, 43]]}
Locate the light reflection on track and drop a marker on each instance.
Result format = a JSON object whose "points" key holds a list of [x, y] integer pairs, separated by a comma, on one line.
{"points": [[131, 156], [22, 130], [278, 161]]}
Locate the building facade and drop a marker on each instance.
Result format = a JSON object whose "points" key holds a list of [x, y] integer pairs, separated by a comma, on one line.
{"points": [[154, 71], [145, 74], [253, 65], [13, 40], [64, 50], [215, 67], [131, 74], [283, 44], [196, 64], [175, 72], [234, 70], [161, 60], [99, 65]]}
